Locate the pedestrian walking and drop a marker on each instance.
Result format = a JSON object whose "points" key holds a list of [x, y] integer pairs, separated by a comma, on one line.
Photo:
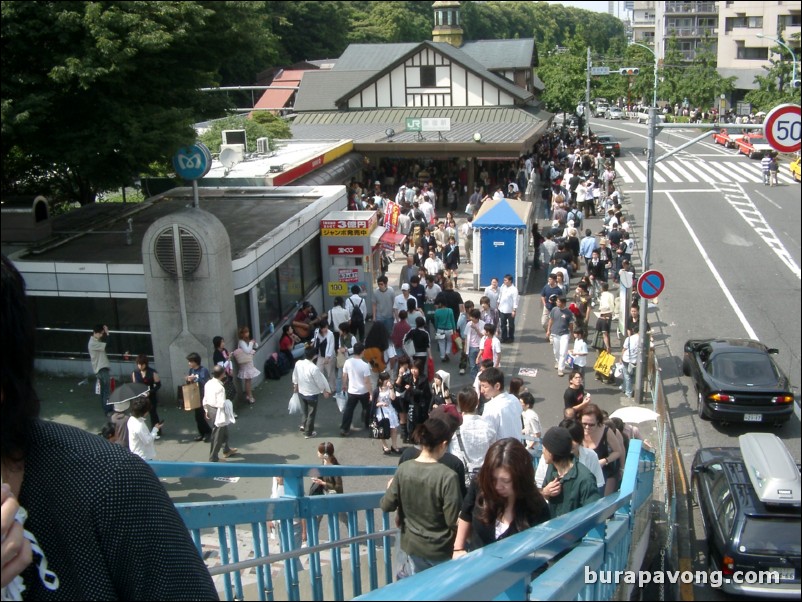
{"points": [[558, 331], [357, 385], [100, 364], [219, 409], [308, 381]]}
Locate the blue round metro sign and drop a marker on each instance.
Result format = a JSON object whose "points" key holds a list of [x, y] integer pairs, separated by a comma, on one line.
{"points": [[192, 162], [651, 284]]}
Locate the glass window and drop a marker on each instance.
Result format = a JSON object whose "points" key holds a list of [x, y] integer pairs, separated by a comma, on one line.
{"points": [[428, 77], [268, 300], [242, 304], [774, 536], [310, 258], [725, 516], [291, 278]]}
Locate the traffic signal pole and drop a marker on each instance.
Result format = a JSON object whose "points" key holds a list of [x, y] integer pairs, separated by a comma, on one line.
{"points": [[587, 96]]}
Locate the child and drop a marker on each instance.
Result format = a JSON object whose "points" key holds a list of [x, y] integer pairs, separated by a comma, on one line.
{"points": [[531, 423], [490, 346], [383, 398], [489, 315], [580, 352]]}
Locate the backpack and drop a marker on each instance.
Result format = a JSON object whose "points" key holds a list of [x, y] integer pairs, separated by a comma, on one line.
{"points": [[357, 317], [272, 370]]}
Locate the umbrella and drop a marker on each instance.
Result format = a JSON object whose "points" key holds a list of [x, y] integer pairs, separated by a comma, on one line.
{"points": [[635, 414], [127, 392]]}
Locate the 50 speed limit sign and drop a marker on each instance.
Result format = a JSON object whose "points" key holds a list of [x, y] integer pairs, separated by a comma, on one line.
{"points": [[783, 128]]}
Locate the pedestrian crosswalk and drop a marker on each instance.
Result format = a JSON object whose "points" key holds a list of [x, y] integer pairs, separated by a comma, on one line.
{"points": [[632, 170]]}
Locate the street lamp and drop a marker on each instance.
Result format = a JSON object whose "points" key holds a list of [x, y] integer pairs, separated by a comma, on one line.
{"points": [[654, 94], [788, 48]]}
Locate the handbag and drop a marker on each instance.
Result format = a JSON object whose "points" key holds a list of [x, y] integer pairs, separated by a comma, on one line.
{"points": [[294, 406], [457, 343], [340, 359], [380, 428], [440, 335], [604, 365], [189, 394], [316, 489], [340, 398], [409, 347], [618, 370]]}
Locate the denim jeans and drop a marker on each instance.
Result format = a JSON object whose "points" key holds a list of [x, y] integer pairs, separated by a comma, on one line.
{"points": [[104, 378], [473, 353], [629, 372]]}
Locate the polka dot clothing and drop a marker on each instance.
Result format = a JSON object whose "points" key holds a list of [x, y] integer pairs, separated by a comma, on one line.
{"points": [[105, 523]]}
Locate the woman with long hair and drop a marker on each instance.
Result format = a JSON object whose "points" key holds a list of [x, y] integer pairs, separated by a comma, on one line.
{"points": [[502, 501], [323, 485], [377, 348], [382, 406], [246, 349], [427, 495]]}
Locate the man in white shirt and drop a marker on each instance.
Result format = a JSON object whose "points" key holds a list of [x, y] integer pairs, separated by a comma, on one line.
{"points": [[100, 364], [401, 300], [214, 401], [140, 439], [356, 383], [432, 264], [507, 307], [428, 209], [474, 331], [466, 236], [502, 410], [309, 382]]}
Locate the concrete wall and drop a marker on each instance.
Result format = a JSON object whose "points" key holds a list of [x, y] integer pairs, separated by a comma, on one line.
{"points": [[187, 311]]}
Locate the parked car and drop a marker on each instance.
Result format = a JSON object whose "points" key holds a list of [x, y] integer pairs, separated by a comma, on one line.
{"points": [[615, 113], [725, 139], [608, 145], [737, 380], [794, 168], [642, 115], [754, 145], [749, 501]]}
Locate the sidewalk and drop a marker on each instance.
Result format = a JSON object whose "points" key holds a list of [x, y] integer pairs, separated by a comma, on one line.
{"points": [[266, 434]]}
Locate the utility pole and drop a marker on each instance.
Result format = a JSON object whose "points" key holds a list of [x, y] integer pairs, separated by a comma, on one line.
{"points": [[587, 96]]}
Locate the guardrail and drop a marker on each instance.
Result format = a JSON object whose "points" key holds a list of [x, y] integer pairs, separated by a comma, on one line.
{"points": [[234, 538], [594, 538]]}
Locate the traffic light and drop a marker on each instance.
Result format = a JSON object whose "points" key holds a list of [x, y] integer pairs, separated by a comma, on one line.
{"points": [[629, 71]]}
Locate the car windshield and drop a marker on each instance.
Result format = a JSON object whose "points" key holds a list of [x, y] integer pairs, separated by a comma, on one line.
{"points": [[774, 536], [754, 369], [604, 139]]}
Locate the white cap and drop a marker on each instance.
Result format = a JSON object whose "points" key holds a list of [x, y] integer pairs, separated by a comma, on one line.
{"points": [[405, 287]]}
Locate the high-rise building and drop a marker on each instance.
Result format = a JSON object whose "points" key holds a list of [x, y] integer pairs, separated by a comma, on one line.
{"points": [[643, 21], [693, 24]]}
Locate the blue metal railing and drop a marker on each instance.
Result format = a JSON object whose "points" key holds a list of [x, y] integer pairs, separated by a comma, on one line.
{"points": [[598, 536], [503, 570]]}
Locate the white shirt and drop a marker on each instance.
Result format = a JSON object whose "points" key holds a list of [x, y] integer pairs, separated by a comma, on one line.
{"points": [[356, 301], [338, 315], [357, 372], [629, 355], [432, 291], [508, 298], [329, 338], [214, 394], [492, 294], [140, 439], [428, 210], [477, 437], [400, 302], [531, 427], [433, 265], [587, 457], [580, 353], [309, 379], [474, 333], [503, 413]]}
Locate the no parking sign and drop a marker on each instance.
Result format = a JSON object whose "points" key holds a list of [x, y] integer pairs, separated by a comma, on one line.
{"points": [[651, 284]]}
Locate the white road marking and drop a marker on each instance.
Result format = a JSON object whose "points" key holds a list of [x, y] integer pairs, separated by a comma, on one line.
{"points": [[749, 330], [770, 201], [671, 175], [744, 171], [627, 178]]}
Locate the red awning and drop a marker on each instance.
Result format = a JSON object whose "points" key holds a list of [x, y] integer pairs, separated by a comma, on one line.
{"points": [[390, 239]]}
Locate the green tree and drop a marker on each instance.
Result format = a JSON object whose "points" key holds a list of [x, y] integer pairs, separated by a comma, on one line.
{"points": [[774, 86], [702, 83], [671, 88], [563, 74], [263, 124], [95, 92]]}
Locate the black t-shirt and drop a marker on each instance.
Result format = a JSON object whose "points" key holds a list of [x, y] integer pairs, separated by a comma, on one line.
{"points": [[573, 397], [447, 459], [452, 300]]}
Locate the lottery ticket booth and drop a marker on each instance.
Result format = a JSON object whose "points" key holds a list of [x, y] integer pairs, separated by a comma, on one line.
{"points": [[351, 244]]}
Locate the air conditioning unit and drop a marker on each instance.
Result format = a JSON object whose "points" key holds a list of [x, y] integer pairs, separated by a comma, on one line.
{"points": [[235, 137], [263, 146]]}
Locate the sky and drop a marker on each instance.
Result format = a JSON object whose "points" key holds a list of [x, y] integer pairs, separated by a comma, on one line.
{"points": [[599, 7]]}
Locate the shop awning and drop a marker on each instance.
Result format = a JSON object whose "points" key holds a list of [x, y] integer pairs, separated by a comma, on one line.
{"points": [[389, 239]]}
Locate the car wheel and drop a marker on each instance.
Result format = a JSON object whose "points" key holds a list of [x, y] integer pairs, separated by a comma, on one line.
{"points": [[686, 366], [700, 407]]}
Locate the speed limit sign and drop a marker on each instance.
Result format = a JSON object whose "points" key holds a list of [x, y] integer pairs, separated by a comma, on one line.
{"points": [[783, 128]]}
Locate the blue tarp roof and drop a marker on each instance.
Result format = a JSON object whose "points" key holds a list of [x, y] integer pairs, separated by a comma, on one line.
{"points": [[500, 215]]}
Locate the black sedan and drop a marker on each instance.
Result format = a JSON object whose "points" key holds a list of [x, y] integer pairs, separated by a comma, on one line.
{"points": [[608, 145], [737, 380], [749, 501]]}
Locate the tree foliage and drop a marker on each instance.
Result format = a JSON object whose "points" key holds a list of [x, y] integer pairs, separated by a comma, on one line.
{"points": [[94, 92], [774, 86], [262, 125]]}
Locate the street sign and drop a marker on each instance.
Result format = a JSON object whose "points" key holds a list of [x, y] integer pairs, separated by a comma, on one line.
{"points": [[744, 109], [192, 162], [428, 124], [651, 284], [783, 128], [600, 71]]}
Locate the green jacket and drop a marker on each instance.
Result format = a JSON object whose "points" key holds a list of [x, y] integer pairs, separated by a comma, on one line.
{"points": [[579, 488]]}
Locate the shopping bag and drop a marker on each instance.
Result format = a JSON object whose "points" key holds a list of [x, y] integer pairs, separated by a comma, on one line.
{"points": [[569, 360], [456, 343], [189, 395], [409, 347], [618, 370], [604, 365], [295, 404], [340, 398]]}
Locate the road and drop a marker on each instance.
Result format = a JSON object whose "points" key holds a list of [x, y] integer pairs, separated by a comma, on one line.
{"points": [[729, 248]]}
